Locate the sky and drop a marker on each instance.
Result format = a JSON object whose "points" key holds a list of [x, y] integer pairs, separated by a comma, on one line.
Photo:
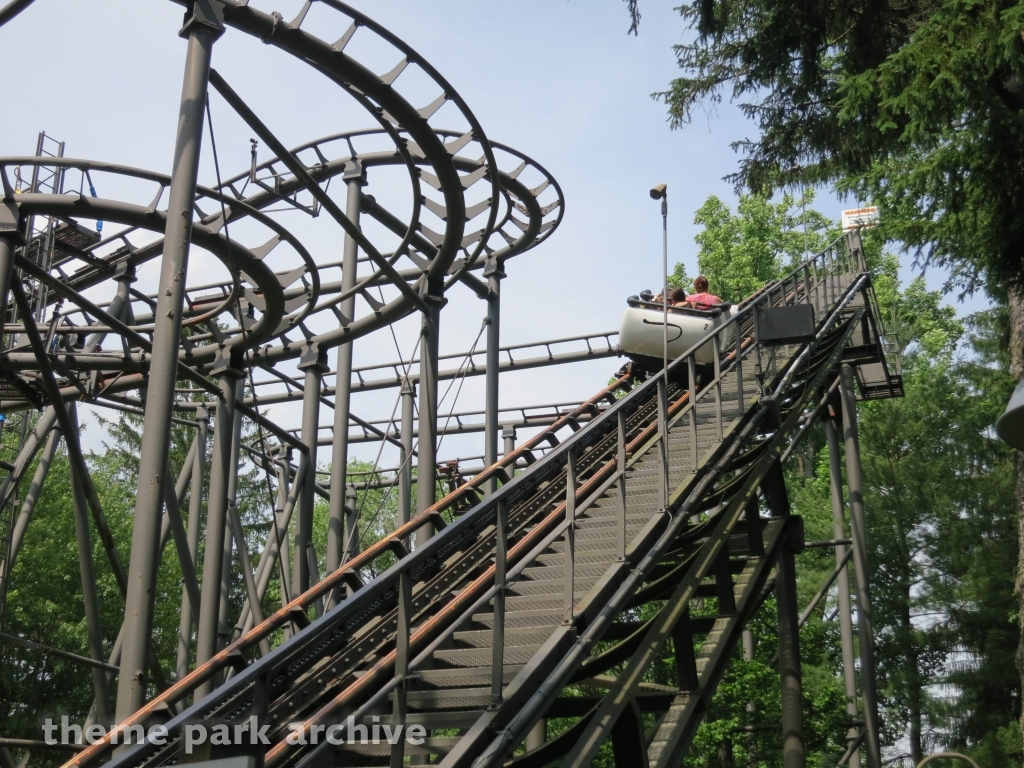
{"points": [[560, 80]]}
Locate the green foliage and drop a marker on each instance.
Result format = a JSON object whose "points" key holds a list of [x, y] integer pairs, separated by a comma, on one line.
{"points": [[739, 252], [45, 599], [917, 106], [941, 523], [377, 509], [945, 132]]}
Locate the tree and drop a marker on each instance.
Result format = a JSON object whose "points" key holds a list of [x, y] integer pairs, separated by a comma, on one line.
{"points": [[917, 105], [741, 252], [937, 487], [34, 685]]}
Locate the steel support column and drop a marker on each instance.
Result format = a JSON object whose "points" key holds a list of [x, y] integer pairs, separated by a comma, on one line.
{"points": [[223, 624], [538, 735], [353, 543], [748, 655], [44, 426], [405, 455], [195, 511], [216, 523], [508, 435], [202, 29], [90, 594], [28, 507], [355, 179], [494, 272], [865, 634], [313, 364], [843, 580], [789, 660], [6, 265], [426, 447]]}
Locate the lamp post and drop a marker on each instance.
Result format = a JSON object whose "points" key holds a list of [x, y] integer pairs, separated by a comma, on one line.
{"points": [[660, 192]]}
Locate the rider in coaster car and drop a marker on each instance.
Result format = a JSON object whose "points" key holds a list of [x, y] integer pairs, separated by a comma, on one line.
{"points": [[676, 297], [700, 298]]}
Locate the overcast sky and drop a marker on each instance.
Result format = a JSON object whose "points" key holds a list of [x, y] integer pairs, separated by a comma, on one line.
{"points": [[557, 79]]}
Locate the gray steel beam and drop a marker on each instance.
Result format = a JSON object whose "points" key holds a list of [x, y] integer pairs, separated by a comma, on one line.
{"points": [[426, 466], [355, 178], [47, 650], [845, 614], [508, 436], [216, 520], [44, 426], [405, 456], [493, 272], [283, 568], [195, 507], [480, 369], [90, 594], [29, 504], [276, 543], [865, 633], [251, 591], [313, 363], [456, 429], [12, 9], [79, 468], [793, 755], [28, 451], [176, 528], [6, 256], [223, 623], [297, 168], [163, 370]]}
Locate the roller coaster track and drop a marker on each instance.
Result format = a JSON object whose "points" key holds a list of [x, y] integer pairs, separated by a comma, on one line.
{"points": [[658, 522]]}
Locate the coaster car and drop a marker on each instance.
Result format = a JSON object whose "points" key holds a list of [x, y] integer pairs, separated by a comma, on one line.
{"points": [[641, 331]]}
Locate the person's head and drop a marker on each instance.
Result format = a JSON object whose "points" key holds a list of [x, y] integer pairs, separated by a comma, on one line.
{"points": [[677, 295], [700, 284]]}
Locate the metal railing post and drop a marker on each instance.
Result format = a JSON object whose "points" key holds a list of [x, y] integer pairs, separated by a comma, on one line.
{"points": [[570, 534], [758, 369], [691, 372], [718, 387], [500, 563], [817, 282], [740, 398], [621, 467], [403, 632]]}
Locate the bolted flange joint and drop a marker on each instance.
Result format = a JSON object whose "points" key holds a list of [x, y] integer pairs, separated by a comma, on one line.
{"points": [[230, 362], [313, 357], [208, 14]]}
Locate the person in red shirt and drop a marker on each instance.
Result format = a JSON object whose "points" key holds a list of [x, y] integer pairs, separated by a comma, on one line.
{"points": [[700, 298]]}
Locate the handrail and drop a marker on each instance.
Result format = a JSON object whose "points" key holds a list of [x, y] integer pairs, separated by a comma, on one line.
{"points": [[508, 493], [285, 615]]}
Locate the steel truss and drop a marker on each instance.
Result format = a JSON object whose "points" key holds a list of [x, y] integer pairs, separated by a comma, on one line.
{"points": [[491, 626], [509, 601]]}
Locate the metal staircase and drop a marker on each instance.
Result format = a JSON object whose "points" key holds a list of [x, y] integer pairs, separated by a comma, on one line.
{"points": [[652, 531]]}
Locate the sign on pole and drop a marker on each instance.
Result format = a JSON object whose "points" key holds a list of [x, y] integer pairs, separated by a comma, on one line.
{"points": [[860, 217]]}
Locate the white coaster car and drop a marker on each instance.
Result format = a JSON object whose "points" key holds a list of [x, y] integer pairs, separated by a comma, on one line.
{"points": [[641, 331]]}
